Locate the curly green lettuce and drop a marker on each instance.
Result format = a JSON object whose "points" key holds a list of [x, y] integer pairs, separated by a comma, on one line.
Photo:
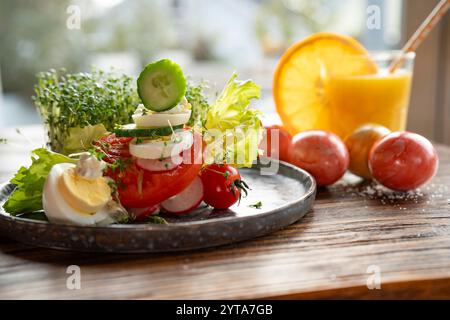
{"points": [[234, 130], [27, 196]]}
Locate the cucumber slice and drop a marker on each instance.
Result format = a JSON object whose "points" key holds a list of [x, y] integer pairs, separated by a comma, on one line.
{"points": [[161, 85], [131, 130]]}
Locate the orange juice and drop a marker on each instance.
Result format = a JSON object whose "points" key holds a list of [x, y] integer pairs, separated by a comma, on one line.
{"points": [[381, 98], [331, 82]]}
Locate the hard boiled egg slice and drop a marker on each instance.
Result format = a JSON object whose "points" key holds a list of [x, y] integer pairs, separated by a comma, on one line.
{"points": [[162, 148], [156, 120], [58, 210], [176, 116]]}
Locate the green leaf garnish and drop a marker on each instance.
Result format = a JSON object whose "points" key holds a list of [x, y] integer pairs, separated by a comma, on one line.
{"points": [[257, 205], [231, 116], [37, 215], [27, 197], [156, 220], [120, 164]]}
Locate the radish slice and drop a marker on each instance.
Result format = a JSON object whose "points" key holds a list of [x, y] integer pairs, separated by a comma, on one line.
{"points": [[165, 164], [186, 200], [142, 213]]}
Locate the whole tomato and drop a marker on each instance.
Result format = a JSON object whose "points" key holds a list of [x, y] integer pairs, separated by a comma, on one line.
{"points": [[321, 153], [276, 142], [222, 185], [359, 144], [403, 161]]}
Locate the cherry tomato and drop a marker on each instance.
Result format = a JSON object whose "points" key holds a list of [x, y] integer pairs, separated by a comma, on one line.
{"points": [[222, 185], [321, 153], [139, 188], [403, 161], [278, 148], [359, 144]]}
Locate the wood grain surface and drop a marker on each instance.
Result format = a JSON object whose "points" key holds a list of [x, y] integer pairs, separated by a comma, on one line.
{"points": [[354, 228]]}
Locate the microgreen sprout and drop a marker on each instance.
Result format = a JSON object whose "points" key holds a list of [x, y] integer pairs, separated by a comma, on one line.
{"points": [[257, 205], [67, 101]]}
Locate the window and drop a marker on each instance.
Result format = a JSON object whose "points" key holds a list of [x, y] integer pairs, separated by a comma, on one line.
{"points": [[209, 39]]}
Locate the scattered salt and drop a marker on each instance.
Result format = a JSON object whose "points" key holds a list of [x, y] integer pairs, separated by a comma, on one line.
{"points": [[431, 194]]}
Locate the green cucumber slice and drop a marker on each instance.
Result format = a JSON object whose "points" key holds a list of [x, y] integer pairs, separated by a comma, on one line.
{"points": [[130, 130], [161, 85]]}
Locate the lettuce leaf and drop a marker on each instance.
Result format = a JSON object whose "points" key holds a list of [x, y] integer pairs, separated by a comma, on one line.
{"points": [[80, 139], [27, 197], [234, 131]]}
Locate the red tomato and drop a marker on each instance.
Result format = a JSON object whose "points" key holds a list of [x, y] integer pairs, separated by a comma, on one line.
{"points": [[278, 148], [222, 185], [321, 153], [403, 161], [139, 188], [114, 147]]}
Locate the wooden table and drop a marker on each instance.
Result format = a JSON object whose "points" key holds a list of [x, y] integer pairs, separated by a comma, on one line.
{"points": [[353, 232]]}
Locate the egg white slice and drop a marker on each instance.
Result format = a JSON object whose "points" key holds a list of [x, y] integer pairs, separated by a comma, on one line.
{"points": [[161, 119], [160, 149], [58, 210]]}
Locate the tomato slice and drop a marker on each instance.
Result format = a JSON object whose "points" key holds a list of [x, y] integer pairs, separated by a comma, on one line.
{"points": [[114, 147], [139, 188]]}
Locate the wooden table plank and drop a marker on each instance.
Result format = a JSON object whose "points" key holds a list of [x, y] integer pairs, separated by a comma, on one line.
{"points": [[326, 255]]}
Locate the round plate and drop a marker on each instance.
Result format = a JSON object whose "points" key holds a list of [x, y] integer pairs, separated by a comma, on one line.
{"points": [[286, 197]]}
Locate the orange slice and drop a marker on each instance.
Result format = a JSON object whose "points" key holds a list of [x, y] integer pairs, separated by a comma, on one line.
{"points": [[300, 80]]}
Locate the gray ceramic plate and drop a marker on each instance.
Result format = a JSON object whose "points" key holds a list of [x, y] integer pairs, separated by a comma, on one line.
{"points": [[286, 198]]}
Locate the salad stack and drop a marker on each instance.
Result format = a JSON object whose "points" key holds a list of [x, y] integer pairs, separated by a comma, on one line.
{"points": [[173, 157]]}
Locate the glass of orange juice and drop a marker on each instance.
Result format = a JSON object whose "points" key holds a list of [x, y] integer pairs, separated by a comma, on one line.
{"points": [[380, 98]]}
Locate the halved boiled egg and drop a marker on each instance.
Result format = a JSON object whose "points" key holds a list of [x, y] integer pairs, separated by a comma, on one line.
{"points": [[72, 199]]}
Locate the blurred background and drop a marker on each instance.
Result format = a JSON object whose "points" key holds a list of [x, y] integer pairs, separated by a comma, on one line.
{"points": [[209, 39]]}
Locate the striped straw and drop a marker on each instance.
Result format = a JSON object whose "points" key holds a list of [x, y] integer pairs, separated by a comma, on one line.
{"points": [[419, 36]]}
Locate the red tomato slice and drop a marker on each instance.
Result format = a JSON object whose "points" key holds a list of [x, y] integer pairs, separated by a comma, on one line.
{"points": [[139, 188], [114, 147]]}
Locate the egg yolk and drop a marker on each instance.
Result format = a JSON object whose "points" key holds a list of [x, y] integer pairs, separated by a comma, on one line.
{"points": [[85, 195]]}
